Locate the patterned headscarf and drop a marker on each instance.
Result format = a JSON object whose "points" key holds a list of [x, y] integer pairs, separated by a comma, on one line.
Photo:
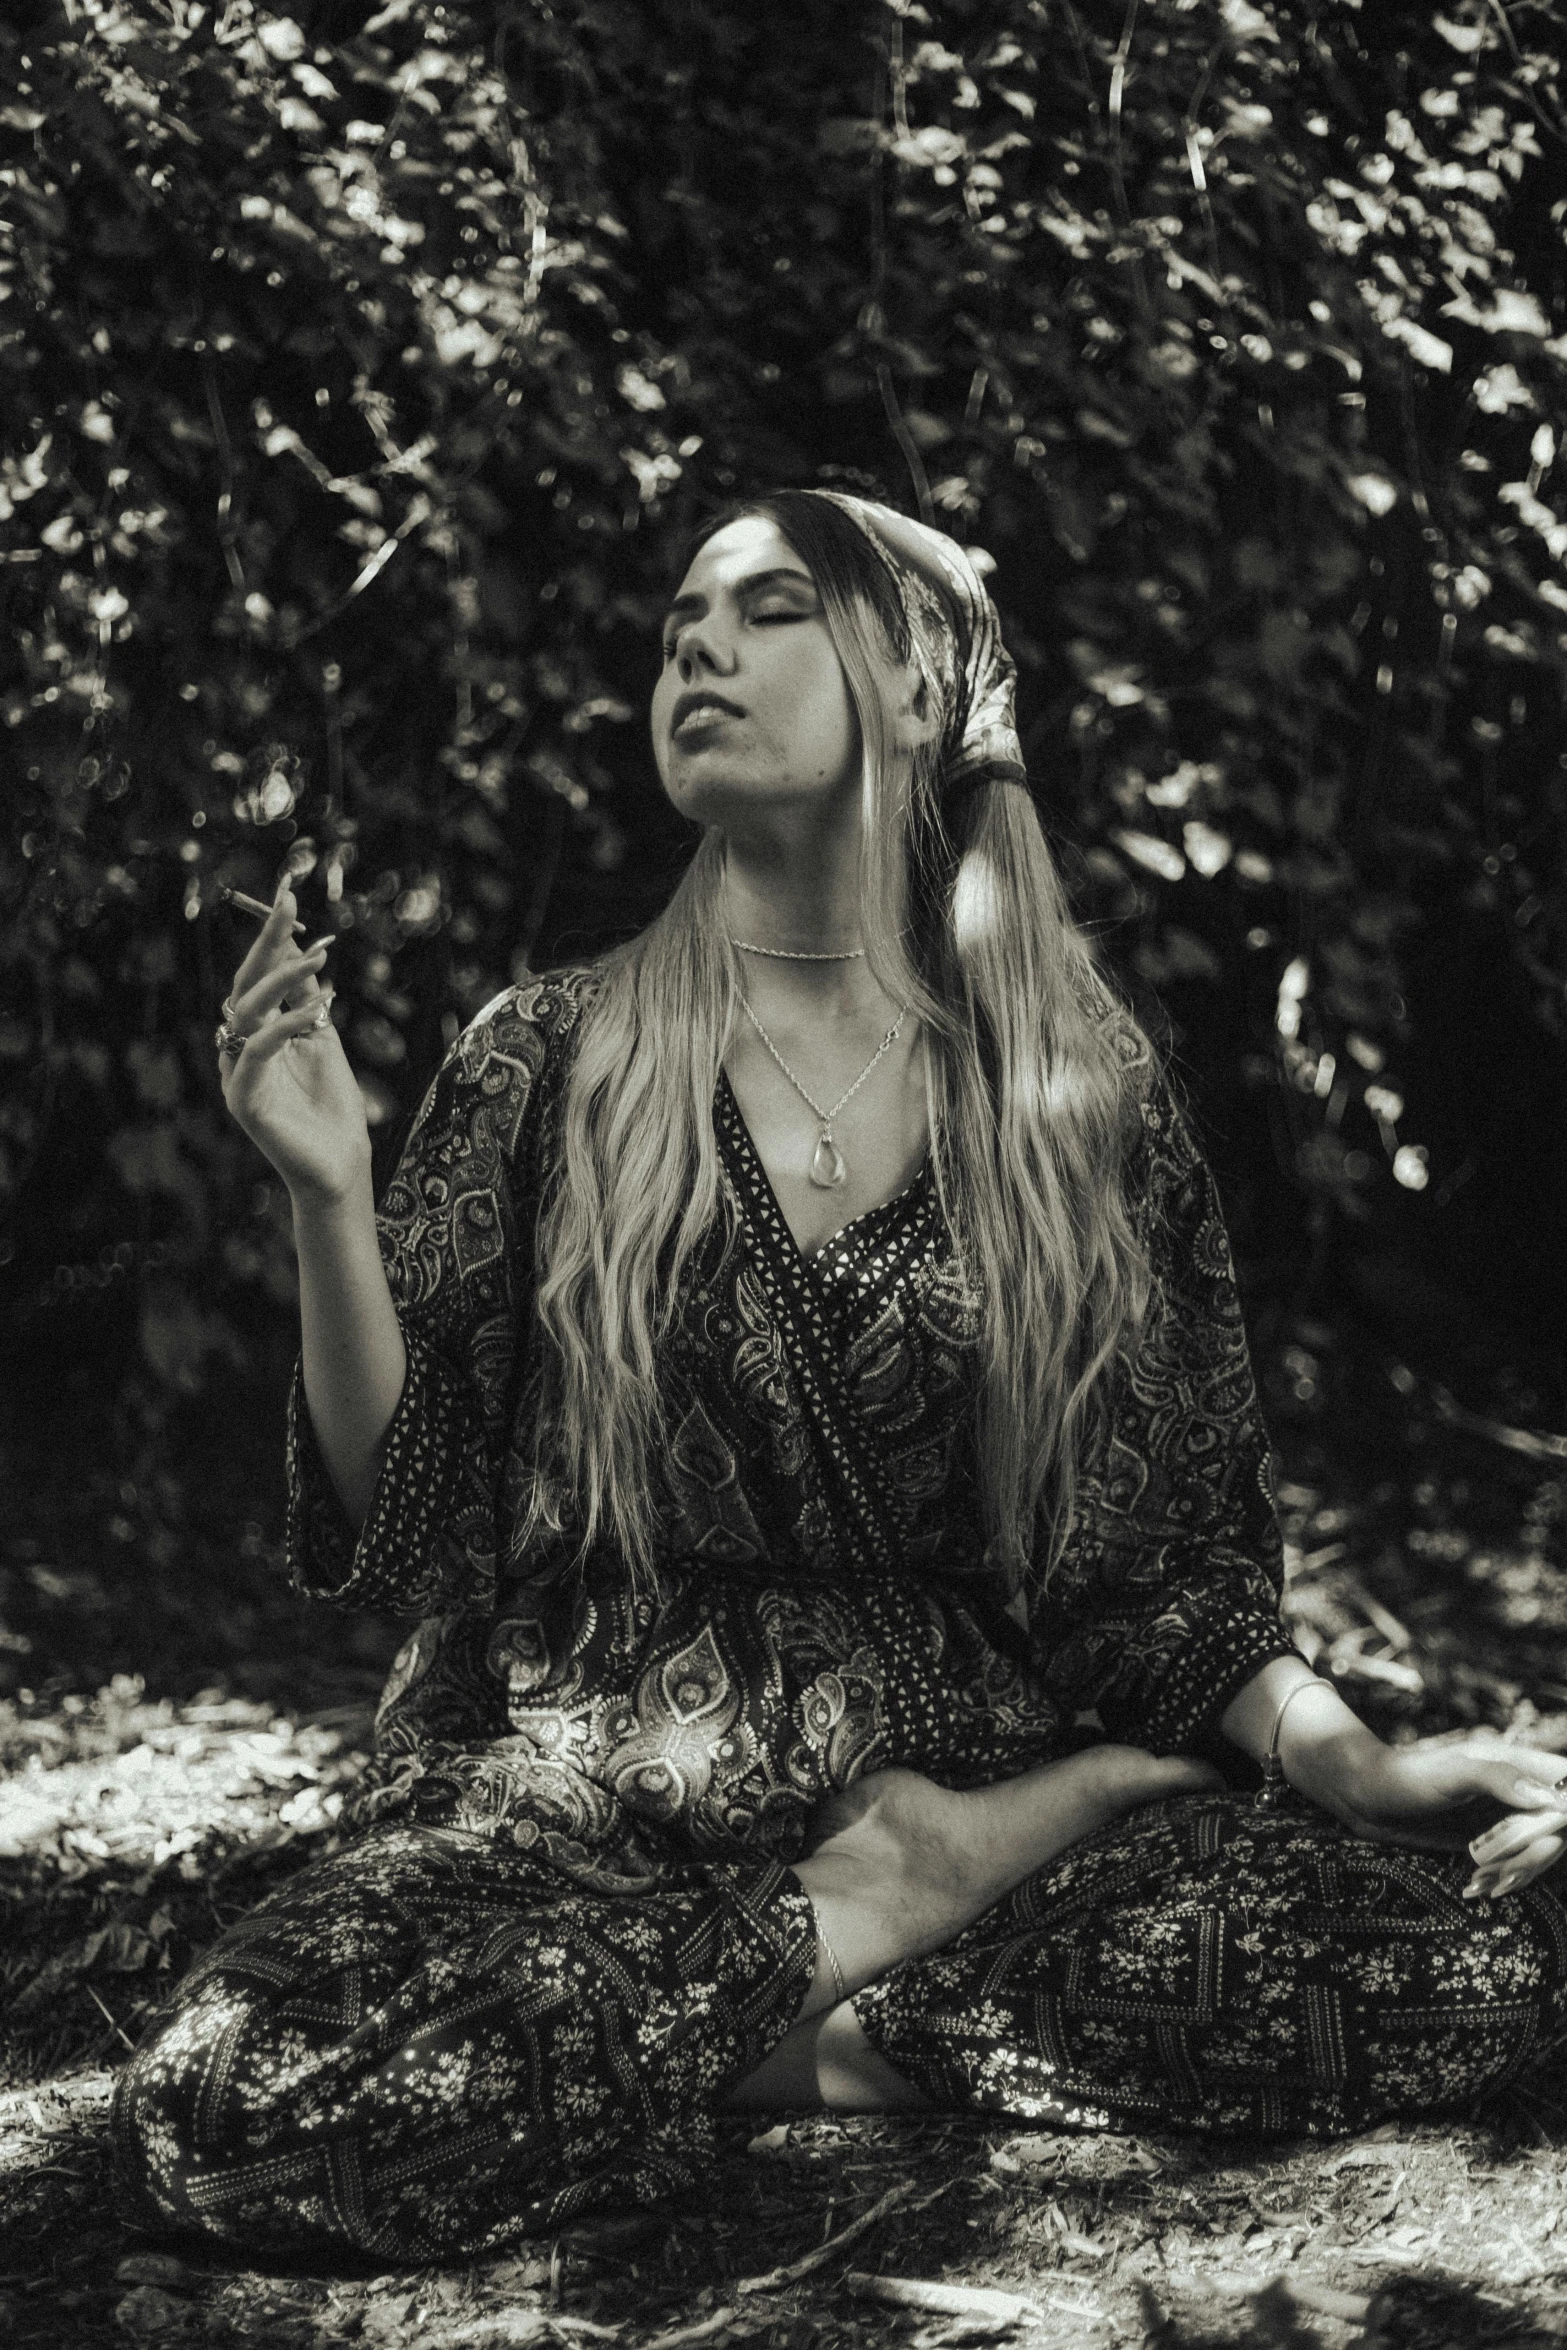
{"points": [[957, 641]]}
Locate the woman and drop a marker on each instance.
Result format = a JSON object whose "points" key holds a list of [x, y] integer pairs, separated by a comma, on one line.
{"points": [[800, 1389]]}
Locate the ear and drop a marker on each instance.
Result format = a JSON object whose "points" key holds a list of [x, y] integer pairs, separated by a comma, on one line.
{"points": [[915, 718]]}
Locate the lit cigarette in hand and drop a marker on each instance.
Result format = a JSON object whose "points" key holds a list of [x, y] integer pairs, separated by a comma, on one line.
{"points": [[247, 905]]}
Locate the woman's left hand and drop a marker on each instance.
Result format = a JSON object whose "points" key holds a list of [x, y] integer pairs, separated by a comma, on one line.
{"points": [[1442, 1793]]}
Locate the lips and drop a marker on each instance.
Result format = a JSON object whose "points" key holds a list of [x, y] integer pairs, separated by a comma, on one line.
{"points": [[707, 705]]}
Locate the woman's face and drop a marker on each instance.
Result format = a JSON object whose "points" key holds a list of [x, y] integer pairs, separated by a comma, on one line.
{"points": [[751, 708]]}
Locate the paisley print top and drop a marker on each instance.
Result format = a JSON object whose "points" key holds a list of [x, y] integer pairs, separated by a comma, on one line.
{"points": [[826, 1602]]}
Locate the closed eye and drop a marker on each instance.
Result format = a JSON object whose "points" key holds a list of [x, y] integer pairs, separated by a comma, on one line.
{"points": [[760, 619]]}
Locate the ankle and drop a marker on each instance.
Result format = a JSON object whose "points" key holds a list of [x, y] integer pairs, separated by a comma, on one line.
{"points": [[887, 1879]]}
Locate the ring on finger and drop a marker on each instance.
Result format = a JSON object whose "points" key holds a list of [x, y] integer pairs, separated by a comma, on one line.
{"points": [[323, 1019], [230, 1041]]}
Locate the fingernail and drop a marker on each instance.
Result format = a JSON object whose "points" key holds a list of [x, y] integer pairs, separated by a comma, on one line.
{"points": [[1472, 1890]]}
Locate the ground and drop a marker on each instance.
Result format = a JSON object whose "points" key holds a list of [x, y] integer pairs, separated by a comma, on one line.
{"points": [[1426, 1549]]}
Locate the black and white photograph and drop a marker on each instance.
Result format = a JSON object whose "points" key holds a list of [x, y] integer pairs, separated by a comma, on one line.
{"points": [[783, 1140]]}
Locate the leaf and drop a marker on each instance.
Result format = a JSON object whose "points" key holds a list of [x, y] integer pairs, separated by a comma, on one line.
{"points": [[1421, 344], [1466, 38], [1154, 855]]}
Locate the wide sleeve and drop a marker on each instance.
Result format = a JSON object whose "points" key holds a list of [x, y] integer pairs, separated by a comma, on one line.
{"points": [[1165, 1600], [456, 1228]]}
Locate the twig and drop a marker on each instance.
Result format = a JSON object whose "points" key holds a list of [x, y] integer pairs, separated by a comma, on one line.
{"points": [[1194, 160], [1530, 1441], [776, 2278], [898, 425], [686, 2337], [107, 2017], [943, 2300], [1118, 70], [228, 528], [517, 2329], [1351, 2308]]}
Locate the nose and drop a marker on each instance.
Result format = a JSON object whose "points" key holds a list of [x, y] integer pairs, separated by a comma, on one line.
{"points": [[697, 650]]}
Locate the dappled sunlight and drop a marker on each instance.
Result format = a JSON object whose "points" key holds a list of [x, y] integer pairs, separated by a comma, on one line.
{"points": [[122, 1780], [1431, 1599], [124, 1822]]}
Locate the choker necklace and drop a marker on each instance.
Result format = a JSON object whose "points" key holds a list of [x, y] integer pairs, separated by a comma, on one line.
{"points": [[797, 954], [829, 1168]]}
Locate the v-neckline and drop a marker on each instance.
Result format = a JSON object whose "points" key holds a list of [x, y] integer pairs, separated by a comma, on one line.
{"points": [[810, 1258]]}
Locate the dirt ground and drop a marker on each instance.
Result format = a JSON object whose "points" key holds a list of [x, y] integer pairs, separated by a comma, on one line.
{"points": [[1429, 1574]]}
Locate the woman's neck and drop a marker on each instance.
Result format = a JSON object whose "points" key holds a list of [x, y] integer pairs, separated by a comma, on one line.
{"points": [[798, 905], [806, 908]]}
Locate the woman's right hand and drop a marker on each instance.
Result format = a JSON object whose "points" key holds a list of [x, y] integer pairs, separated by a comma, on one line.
{"points": [[291, 1088]]}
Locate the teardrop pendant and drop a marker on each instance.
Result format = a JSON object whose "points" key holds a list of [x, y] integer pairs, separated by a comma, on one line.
{"points": [[828, 1168]]}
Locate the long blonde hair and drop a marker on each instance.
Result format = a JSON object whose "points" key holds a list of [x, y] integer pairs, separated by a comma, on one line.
{"points": [[1033, 1099]]}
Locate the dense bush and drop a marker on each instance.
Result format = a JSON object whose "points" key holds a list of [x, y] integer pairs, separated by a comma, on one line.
{"points": [[362, 372]]}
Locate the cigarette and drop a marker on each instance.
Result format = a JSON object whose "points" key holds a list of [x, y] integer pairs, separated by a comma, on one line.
{"points": [[237, 897]]}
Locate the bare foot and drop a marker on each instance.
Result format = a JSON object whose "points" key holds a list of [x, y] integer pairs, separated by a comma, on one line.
{"points": [[901, 1866]]}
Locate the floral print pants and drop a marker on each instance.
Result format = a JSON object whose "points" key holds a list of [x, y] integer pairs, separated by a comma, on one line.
{"points": [[430, 2043]]}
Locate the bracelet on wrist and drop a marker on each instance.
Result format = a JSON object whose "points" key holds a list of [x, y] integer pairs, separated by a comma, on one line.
{"points": [[1271, 1793]]}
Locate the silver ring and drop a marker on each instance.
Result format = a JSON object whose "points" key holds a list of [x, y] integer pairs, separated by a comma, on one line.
{"points": [[230, 1041], [323, 1019]]}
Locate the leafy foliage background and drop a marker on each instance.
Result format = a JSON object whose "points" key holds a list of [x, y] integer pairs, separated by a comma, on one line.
{"points": [[361, 371]]}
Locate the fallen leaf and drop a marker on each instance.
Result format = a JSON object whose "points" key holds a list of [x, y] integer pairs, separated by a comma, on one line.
{"points": [[1358, 2158], [517, 2276]]}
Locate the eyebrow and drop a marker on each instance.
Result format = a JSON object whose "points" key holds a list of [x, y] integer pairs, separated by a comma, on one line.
{"points": [[780, 572]]}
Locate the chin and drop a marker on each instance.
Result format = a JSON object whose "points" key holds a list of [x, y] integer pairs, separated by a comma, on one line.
{"points": [[709, 796]]}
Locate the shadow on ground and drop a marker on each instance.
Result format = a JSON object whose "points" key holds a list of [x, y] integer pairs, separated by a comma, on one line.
{"points": [[145, 1809]]}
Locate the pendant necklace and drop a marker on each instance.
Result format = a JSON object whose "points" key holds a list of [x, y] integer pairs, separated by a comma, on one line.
{"points": [[828, 1169]]}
